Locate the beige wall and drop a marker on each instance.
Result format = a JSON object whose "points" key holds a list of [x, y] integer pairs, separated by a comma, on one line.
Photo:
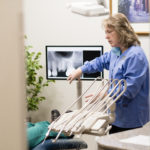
{"points": [[12, 87], [49, 22]]}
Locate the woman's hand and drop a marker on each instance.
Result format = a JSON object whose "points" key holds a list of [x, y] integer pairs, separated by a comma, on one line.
{"points": [[101, 94], [75, 75], [88, 97]]}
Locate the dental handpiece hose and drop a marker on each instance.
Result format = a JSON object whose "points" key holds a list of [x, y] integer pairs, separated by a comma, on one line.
{"points": [[46, 136]]}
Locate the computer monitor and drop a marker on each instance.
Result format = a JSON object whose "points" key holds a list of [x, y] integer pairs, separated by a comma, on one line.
{"points": [[62, 60]]}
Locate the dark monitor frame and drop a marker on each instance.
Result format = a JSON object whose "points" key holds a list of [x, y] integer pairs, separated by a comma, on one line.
{"points": [[85, 49]]}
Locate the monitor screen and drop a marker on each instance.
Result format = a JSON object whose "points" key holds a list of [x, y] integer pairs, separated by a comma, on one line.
{"points": [[62, 60]]}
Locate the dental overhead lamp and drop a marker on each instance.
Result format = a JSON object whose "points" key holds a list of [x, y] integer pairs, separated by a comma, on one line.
{"points": [[98, 8]]}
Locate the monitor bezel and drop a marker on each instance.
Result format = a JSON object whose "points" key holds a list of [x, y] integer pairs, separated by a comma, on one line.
{"points": [[64, 78]]}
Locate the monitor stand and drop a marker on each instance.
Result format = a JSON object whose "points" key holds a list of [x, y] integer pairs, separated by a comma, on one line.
{"points": [[79, 92]]}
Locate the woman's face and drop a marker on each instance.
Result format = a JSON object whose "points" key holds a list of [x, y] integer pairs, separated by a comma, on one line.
{"points": [[112, 37]]}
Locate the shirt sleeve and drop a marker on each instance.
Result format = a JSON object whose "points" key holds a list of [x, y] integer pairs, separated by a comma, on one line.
{"points": [[135, 75], [97, 64]]}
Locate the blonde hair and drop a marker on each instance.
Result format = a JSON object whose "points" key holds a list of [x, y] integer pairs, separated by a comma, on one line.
{"points": [[121, 25]]}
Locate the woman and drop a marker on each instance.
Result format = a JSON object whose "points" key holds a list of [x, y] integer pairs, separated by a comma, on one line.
{"points": [[126, 60]]}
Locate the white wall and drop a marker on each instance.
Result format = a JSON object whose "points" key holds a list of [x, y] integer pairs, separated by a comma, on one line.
{"points": [[12, 79], [49, 22]]}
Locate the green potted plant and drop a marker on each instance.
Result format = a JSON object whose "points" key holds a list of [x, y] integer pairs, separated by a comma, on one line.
{"points": [[34, 82]]}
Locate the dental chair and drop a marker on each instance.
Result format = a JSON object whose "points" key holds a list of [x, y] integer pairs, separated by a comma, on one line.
{"points": [[62, 144]]}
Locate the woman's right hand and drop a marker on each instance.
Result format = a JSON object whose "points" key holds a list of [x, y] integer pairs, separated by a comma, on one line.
{"points": [[75, 75]]}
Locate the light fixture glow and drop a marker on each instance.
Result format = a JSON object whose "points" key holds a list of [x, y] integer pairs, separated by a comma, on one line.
{"points": [[89, 8]]}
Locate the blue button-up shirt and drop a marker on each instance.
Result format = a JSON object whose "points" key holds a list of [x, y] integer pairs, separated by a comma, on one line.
{"points": [[133, 107]]}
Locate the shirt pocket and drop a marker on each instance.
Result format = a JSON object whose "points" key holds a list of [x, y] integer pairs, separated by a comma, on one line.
{"points": [[118, 72]]}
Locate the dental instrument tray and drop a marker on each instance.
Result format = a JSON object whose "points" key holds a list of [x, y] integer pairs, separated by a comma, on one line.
{"points": [[96, 115]]}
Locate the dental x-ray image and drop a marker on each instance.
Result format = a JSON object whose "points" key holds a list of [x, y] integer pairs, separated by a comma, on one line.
{"points": [[62, 60]]}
